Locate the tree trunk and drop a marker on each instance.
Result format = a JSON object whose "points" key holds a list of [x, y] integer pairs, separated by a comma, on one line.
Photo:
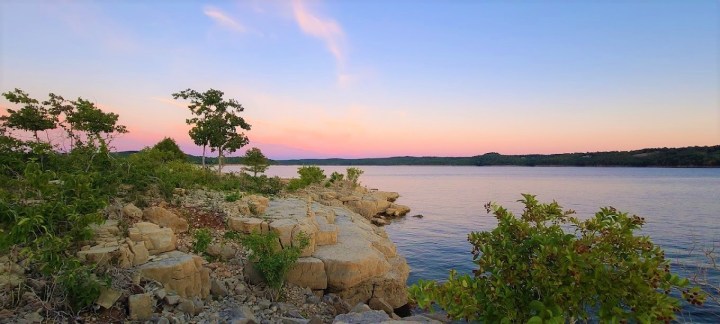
{"points": [[220, 162], [203, 158]]}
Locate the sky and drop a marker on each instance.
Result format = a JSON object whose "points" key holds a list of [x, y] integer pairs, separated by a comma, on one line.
{"points": [[350, 79]]}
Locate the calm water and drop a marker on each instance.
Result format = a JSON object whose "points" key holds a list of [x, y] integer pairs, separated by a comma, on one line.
{"points": [[681, 207]]}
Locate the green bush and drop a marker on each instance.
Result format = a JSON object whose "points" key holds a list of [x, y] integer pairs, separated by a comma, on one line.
{"points": [[202, 239], [235, 196], [171, 149], [271, 260], [336, 177], [353, 174], [308, 175], [531, 270]]}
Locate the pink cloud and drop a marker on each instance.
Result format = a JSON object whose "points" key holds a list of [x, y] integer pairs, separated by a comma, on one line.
{"points": [[327, 30], [223, 20]]}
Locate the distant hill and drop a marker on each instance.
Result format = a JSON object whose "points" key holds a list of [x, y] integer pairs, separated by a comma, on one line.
{"points": [[691, 157], [695, 156]]}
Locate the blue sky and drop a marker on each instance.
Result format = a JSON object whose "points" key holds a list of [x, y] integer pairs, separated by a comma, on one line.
{"points": [[385, 78]]}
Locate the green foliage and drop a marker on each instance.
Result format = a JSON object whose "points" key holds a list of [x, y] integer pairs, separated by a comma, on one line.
{"points": [[271, 260], [336, 177], [169, 146], [308, 175], [215, 123], [202, 239], [32, 117], [353, 174], [531, 270], [232, 197], [255, 161]]}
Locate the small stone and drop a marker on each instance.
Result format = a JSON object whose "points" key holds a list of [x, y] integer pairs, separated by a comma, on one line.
{"points": [[187, 306], [360, 308], [380, 304], [315, 320], [217, 288], [108, 297], [160, 293], [172, 299], [141, 306], [163, 320]]}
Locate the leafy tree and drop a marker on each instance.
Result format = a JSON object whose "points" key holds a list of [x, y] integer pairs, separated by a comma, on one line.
{"points": [[255, 161], [169, 146], [215, 123], [32, 117], [99, 126], [531, 270]]}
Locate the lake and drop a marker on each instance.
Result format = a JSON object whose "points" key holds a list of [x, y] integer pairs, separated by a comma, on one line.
{"points": [[681, 207]]}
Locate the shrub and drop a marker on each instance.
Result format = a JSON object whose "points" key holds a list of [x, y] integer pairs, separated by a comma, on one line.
{"points": [[271, 260], [171, 149], [202, 239], [353, 174], [235, 196], [336, 177], [308, 175], [530, 269]]}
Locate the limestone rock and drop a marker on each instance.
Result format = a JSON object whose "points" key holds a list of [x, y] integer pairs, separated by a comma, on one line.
{"points": [[362, 318], [141, 307], [11, 274], [218, 288], [132, 211], [132, 253], [179, 272], [107, 232], [165, 218], [308, 272], [284, 228], [380, 304], [157, 240], [247, 225], [99, 254], [108, 297]]}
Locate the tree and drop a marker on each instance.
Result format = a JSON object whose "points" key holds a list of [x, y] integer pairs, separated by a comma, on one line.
{"points": [[215, 123], [32, 117], [256, 161], [531, 270], [170, 147]]}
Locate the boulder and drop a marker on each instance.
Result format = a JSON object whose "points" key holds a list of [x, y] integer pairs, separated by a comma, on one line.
{"points": [[141, 307], [157, 240], [284, 229], [132, 211], [179, 272], [308, 272], [132, 253], [247, 224], [326, 232], [166, 218]]}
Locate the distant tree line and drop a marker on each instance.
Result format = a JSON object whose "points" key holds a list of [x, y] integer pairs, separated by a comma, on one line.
{"points": [[694, 156]]}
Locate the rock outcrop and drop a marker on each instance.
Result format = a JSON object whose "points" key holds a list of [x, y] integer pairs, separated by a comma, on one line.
{"points": [[156, 239], [347, 254], [376, 206]]}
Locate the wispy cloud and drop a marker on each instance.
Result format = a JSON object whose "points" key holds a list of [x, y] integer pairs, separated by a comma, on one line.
{"points": [[223, 20], [326, 29]]}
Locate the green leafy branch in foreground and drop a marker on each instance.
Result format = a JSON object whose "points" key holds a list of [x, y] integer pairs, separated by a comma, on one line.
{"points": [[530, 270]]}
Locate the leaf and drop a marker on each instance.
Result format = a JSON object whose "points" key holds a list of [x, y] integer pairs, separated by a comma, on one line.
{"points": [[535, 320]]}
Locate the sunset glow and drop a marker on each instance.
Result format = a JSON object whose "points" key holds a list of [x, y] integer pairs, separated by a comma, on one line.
{"points": [[375, 79]]}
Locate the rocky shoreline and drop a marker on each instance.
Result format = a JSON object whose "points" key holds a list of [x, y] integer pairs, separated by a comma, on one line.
{"points": [[349, 273]]}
